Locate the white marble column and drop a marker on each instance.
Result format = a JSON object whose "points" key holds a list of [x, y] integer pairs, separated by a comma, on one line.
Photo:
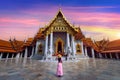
{"points": [[100, 55], [93, 53], [21, 55], [46, 45], [17, 58], [117, 55], [73, 46], [7, 55], [110, 55], [68, 40], [1, 56], [105, 55], [82, 47], [51, 43], [12, 57], [18, 55], [85, 52], [32, 52], [36, 49], [26, 52]]}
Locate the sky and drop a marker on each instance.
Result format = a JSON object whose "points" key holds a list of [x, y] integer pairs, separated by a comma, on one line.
{"points": [[98, 19]]}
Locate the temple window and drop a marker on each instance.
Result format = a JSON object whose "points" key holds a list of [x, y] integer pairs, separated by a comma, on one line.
{"points": [[40, 48], [56, 28], [59, 28], [78, 48], [64, 28]]}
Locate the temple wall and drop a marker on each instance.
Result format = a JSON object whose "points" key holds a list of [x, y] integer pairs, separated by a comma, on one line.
{"points": [[43, 45], [78, 42]]}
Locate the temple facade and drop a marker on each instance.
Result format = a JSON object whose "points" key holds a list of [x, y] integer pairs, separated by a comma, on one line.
{"points": [[59, 36]]}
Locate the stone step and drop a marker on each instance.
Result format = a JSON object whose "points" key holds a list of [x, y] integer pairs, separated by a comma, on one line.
{"points": [[37, 57], [54, 58]]}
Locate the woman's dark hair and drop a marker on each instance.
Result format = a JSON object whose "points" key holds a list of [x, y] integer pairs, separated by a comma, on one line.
{"points": [[59, 60]]}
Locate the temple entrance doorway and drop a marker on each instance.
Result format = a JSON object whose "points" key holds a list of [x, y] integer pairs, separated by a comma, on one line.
{"points": [[59, 46]]}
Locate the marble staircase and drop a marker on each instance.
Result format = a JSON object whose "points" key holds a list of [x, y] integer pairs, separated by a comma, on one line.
{"points": [[37, 57], [81, 56], [54, 58]]}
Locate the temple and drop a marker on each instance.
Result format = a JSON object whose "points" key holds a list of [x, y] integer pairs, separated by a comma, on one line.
{"points": [[59, 36]]}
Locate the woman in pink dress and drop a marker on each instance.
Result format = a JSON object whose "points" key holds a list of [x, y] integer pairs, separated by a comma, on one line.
{"points": [[59, 66]]}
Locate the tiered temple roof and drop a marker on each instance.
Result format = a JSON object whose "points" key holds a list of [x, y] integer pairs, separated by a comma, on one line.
{"points": [[89, 43], [79, 35], [5, 46], [11, 46], [40, 34], [59, 14], [28, 42], [102, 44], [113, 46]]}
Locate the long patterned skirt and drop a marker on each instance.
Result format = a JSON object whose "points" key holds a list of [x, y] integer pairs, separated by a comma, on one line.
{"points": [[59, 69]]}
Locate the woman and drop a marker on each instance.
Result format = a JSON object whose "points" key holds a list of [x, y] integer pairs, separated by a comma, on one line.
{"points": [[59, 66]]}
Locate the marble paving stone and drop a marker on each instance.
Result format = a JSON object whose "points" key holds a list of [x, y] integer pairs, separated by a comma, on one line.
{"points": [[84, 69]]}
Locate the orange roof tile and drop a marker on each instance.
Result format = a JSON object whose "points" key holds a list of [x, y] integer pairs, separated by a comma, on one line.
{"points": [[28, 42], [113, 45], [10, 46], [110, 51], [7, 51], [5, 43], [102, 44], [5, 46], [89, 43], [79, 36], [18, 45]]}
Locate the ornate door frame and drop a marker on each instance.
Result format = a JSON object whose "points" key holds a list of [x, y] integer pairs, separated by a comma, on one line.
{"points": [[56, 44]]}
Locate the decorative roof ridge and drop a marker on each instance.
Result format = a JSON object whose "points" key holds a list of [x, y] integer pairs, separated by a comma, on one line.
{"points": [[59, 11], [54, 18], [114, 41], [4, 40], [68, 22]]}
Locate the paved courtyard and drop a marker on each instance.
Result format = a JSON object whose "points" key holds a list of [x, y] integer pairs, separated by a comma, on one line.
{"points": [[85, 69]]}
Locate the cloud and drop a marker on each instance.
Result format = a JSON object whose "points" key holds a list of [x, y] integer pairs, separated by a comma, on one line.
{"points": [[111, 20], [19, 34], [93, 16], [100, 32], [20, 28], [19, 21]]}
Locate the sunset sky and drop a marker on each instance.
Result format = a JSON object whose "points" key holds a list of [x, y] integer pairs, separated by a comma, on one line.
{"points": [[98, 19]]}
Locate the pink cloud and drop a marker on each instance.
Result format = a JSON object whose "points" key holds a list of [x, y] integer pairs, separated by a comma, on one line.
{"points": [[21, 21], [94, 18], [18, 33], [19, 28]]}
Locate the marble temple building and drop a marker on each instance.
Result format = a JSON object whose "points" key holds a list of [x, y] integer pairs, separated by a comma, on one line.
{"points": [[59, 36]]}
